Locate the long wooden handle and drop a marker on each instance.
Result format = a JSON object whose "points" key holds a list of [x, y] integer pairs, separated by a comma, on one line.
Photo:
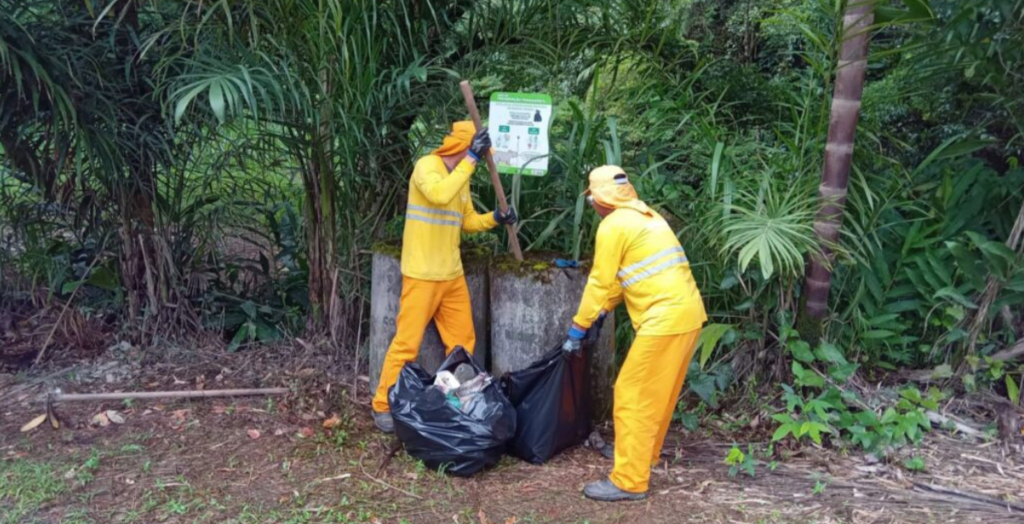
{"points": [[513, 240]]}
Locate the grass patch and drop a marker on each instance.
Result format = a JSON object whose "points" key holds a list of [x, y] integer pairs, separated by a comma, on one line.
{"points": [[25, 486]]}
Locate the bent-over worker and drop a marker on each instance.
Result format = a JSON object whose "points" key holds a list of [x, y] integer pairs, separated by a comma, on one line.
{"points": [[639, 258], [439, 209]]}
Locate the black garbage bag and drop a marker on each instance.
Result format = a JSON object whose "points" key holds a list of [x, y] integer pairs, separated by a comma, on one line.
{"points": [[443, 436], [552, 401]]}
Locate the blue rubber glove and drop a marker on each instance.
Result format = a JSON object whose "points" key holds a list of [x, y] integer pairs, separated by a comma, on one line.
{"points": [[563, 263], [574, 342]]}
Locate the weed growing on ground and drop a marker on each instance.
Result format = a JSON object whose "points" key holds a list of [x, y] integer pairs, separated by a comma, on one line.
{"points": [[25, 485]]}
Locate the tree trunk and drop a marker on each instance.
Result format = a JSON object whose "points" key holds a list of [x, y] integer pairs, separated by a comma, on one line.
{"points": [[320, 217], [320, 220], [857, 18]]}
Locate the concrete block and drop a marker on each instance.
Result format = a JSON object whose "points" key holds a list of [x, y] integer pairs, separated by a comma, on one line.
{"points": [[386, 290], [531, 310]]}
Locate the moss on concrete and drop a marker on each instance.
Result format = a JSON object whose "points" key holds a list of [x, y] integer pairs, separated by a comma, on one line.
{"points": [[391, 248], [537, 264], [474, 255]]}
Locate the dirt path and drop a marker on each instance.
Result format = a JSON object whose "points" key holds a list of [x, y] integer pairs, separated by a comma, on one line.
{"points": [[198, 462]]}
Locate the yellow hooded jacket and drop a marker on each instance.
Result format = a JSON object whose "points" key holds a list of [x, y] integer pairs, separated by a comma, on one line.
{"points": [[639, 257], [440, 208]]}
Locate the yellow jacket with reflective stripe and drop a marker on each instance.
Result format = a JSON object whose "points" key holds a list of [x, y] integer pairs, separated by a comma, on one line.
{"points": [[440, 208], [638, 257]]}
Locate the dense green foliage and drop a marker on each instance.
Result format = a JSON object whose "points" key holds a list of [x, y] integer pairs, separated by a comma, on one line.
{"points": [[248, 152]]}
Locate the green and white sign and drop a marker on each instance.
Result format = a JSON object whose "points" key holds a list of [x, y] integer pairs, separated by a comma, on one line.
{"points": [[519, 131]]}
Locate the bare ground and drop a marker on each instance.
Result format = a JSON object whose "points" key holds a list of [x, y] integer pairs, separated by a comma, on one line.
{"points": [[270, 459]]}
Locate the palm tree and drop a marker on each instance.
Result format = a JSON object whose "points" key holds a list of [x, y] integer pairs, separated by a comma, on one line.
{"points": [[82, 128], [331, 83], [849, 84]]}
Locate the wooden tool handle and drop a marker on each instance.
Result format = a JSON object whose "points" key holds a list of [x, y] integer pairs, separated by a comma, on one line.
{"points": [[474, 113]]}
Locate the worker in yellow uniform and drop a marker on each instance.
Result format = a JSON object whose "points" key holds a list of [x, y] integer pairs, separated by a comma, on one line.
{"points": [[439, 209], [638, 258]]}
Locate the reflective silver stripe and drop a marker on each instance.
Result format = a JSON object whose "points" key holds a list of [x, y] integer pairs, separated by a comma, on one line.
{"points": [[677, 261], [436, 221], [653, 258], [431, 211]]}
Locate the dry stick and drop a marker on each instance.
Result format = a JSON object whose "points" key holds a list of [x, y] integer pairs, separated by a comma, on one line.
{"points": [[75, 397], [391, 453], [974, 497], [513, 240], [67, 304], [385, 484], [940, 420]]}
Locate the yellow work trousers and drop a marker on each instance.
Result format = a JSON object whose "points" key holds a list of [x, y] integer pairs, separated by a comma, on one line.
{"points": [[646, 394], [447, 303]]}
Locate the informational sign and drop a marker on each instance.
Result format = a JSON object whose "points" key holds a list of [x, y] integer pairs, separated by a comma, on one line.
{"points": [[518, 123]]}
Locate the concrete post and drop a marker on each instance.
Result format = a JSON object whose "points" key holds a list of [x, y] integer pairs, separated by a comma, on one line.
{"points": [[531, 310], [386, 290]]}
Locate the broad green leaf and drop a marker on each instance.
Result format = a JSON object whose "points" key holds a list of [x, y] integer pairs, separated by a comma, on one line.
{"points": [[690, 421], [912, 394], [814, 429], [716, 162], [1013, 390], [828, 352], [801, 351], [781, 433], [875, 334], [704, 386], [240, 337], [782, 418], [798, 370], [968, 263], [941, 372], [103, 278], [217, 102], [184, 101], [843, 372], [951, 293], [266, 333], [709, 338]]}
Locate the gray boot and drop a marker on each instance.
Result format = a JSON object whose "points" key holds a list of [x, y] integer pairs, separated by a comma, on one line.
{"points": [[608, 451], [605, 491], [384, 422]]}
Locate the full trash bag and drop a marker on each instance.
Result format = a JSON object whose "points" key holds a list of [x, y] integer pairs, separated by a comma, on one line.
{"points": [[459, 441], [552, 401]]}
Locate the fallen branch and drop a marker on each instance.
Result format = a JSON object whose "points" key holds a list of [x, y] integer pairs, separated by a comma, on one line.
{"points": [[974, 497], [77, 397], [941, 420], [74, 293], [385, 484], [391, 453], [1009, 353]]}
